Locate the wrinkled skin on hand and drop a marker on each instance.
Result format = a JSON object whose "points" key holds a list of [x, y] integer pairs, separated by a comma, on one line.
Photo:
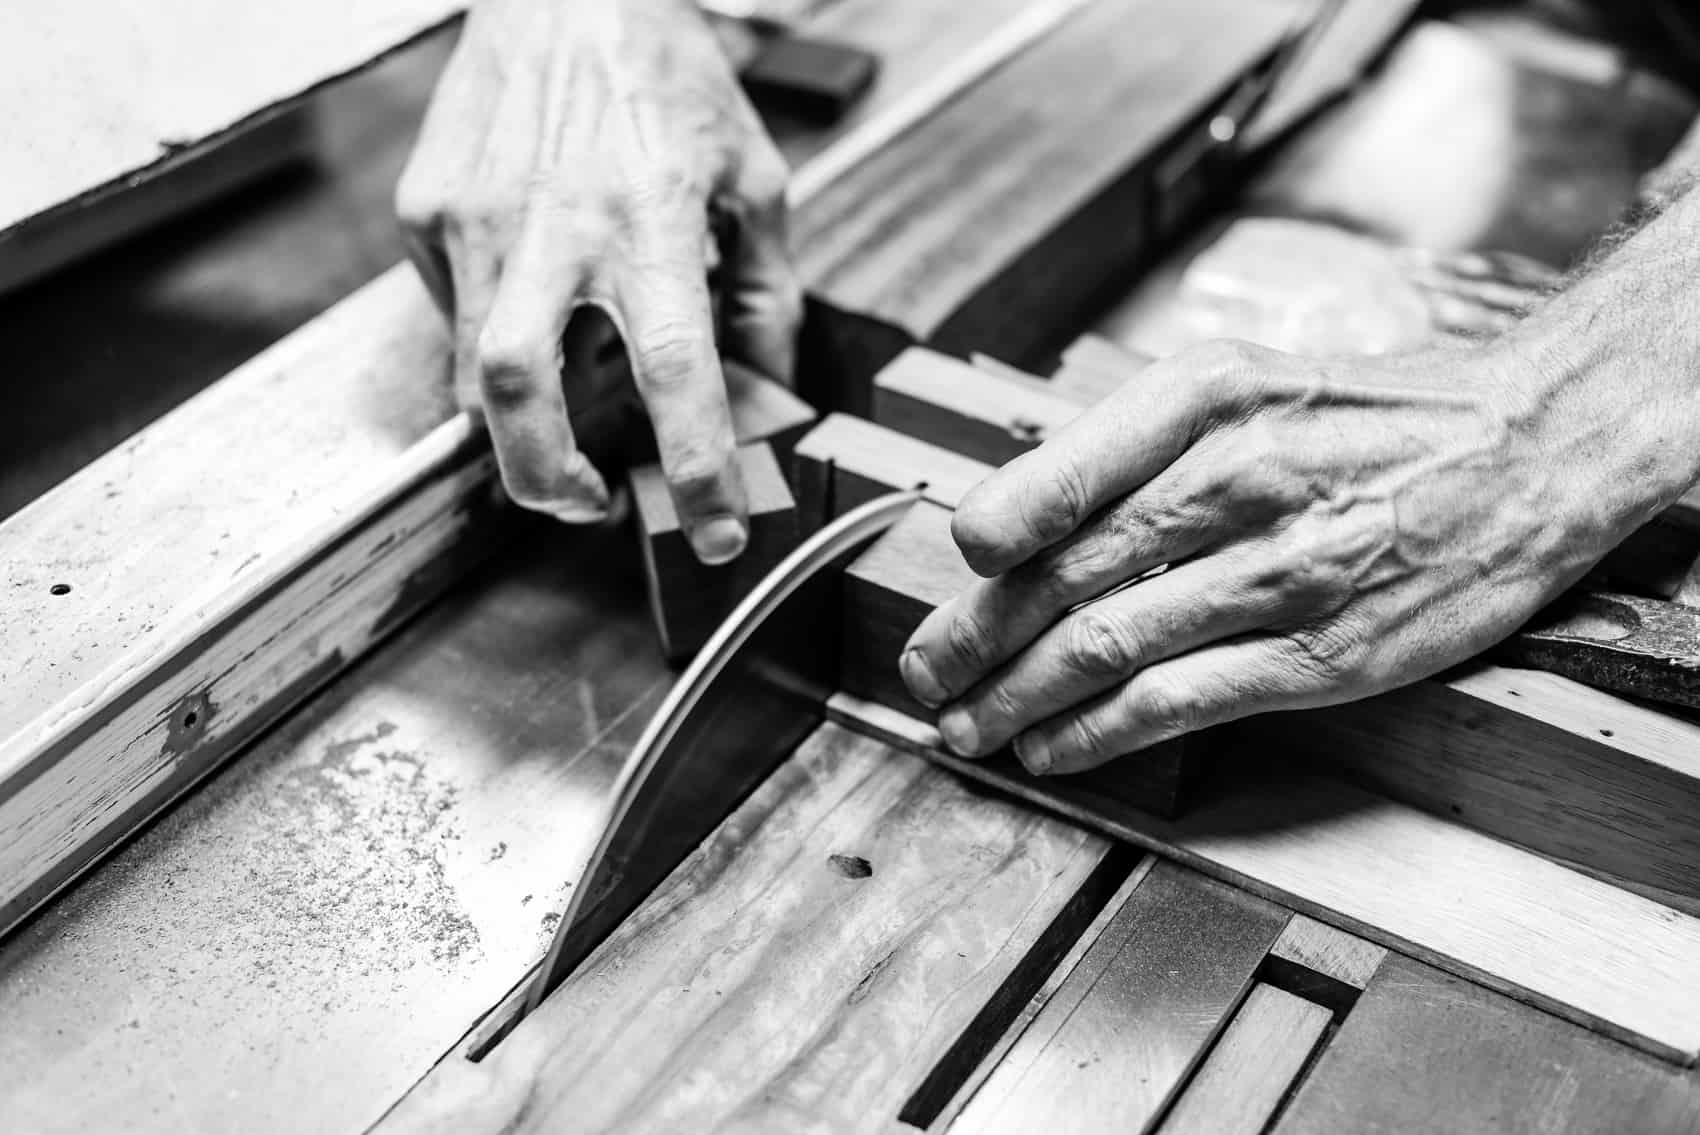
{"points": [[1333, 529], [571, 156]]}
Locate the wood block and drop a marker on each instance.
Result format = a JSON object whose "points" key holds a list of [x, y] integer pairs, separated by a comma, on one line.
{"points": [[847, 461], [1129, 1025], [1251, 1069], [1093, 368], [687, 597], [989, 417], [772, 981], [1557, 939], [915, 567], [1425, 1051]]}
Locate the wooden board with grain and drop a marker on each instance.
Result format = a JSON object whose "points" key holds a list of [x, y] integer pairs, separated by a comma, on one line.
{"points": [[1251, 1068], [985, 416], [772, 980], [1577, 947]]}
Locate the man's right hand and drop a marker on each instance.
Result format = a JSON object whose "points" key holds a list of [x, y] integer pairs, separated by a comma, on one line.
{"points": [[570, 157]]}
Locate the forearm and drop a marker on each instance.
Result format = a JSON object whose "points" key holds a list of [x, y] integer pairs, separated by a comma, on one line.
{"points": [[1613, 370]]}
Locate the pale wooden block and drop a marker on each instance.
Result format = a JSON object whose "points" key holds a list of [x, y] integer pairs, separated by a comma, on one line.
{"points": [[1242, 1081], [1330, 952]]}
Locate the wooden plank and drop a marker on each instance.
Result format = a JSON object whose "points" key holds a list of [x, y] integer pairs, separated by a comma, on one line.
{"points": [[1424, 1050], [1128, 1026], [1572, 945], [908, 572], [1330, 952], [772, 980], [688, 598], [1251, 1068], [1092, 108], [989, 417]]}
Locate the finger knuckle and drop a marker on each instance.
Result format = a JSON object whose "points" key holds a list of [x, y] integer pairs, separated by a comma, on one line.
{"points": [[969, 640], [1097, 644], [507, 365], [1328, 653], [697, 471], [1168, 706], [1226, 371], [1088, 737], [1058, 505], [668, 354]]}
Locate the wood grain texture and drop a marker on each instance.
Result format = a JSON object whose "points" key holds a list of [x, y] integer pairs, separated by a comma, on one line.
{"points": [[914, 568], [769, 985], [1560, 940], [1574, 773], [688, 598], [1424, 1051], [1250, 1069], [1129, 1025], [985, 416], [1090, 108], [1330, 952]]}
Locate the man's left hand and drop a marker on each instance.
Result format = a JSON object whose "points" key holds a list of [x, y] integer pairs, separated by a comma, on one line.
{"points": [[1331, 529]]}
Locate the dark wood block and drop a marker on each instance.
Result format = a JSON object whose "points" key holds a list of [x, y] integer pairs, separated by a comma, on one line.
{"points": [[912, 569], [687, 597], [991, 417]]}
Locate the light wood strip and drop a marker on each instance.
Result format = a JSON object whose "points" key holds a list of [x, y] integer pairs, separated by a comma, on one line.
{"points": [[1250, 1069], [1579, 948], [773, 980], [1330, 952], [984, 416], [1117, 1041]]}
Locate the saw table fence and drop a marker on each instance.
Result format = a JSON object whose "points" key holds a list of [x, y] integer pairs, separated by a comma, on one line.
{"points": [[1286, 933]]}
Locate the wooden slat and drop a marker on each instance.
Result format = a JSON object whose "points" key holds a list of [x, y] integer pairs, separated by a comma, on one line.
{"points": [[1133, 1020], [1251, 1068], [908, 572], [773, 980], [1582, 949], [1426, 1051], [846, 461], [1330, 952]]}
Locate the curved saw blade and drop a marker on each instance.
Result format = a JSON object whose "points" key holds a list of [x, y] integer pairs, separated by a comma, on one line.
{"points": [[753, 691]]}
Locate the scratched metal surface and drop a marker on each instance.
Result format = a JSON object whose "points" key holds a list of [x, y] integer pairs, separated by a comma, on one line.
{"points": [[300, 940]]}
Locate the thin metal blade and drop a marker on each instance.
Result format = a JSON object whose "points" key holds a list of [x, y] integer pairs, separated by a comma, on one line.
{"points": [[752, 693]]}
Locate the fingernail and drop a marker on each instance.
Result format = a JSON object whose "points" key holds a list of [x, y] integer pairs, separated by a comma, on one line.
{"points": [[577, 512], [919, 677], [959, 731], [1034, 753], [719, 540]]}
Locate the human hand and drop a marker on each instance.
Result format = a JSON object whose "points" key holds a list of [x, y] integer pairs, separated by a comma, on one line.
{"points": [[570, 157], [1332, 528]]}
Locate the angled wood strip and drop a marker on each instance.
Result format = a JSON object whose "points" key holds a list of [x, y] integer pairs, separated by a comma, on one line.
{"points": [[772, 981], [1557, 939], [1424, 1050], [1129, 1025], [1242, 1081]]}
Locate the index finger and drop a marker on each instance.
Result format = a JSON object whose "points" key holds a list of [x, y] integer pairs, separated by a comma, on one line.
{"points": [[1043, 496]]}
